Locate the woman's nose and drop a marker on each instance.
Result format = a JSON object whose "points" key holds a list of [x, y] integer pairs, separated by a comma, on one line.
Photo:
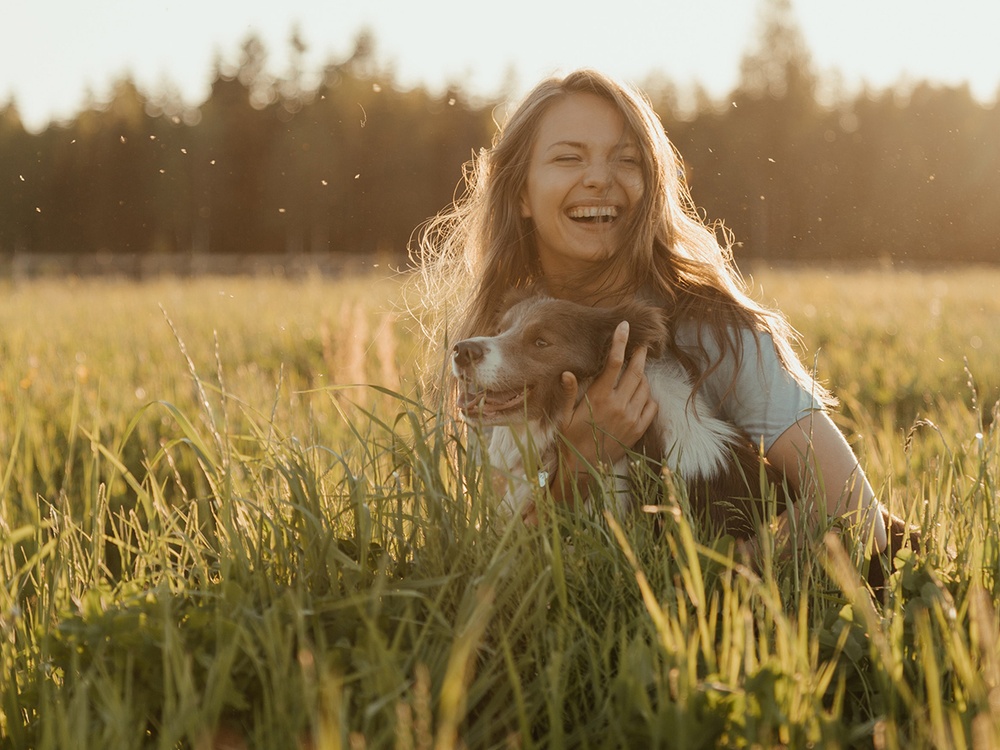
{"points": [[599, 174]]}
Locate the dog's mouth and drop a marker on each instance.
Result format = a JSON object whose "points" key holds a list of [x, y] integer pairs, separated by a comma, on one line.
{"points": [[488, 405]]}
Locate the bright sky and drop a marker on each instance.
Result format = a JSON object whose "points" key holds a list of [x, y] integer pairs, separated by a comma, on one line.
{"points": [[53, 51]]}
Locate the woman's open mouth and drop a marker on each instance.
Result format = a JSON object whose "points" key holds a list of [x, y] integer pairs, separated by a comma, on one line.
{"points": [[593, 214]]}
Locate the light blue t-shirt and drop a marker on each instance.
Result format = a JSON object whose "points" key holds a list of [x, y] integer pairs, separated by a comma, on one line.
{"points": [[764, 400]]}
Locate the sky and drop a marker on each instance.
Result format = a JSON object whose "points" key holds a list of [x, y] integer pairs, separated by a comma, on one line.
{"points": [[54, 54]]}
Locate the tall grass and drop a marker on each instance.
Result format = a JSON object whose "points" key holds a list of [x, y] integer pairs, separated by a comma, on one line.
{"points": [[209, 537]]}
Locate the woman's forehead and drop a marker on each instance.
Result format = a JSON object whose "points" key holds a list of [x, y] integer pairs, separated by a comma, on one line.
{"points": [[583, 120]]}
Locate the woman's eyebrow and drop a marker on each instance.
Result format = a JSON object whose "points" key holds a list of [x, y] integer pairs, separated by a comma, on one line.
{"points": [[619, 146], [571, 144]]}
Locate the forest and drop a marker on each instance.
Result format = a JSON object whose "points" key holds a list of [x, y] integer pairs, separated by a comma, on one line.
{"points": [[348, 162]]}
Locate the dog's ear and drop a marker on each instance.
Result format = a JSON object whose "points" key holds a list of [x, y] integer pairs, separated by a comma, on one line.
{"points": [[514, 295], [647, 326]]}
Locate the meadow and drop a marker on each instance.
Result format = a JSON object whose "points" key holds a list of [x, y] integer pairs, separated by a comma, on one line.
{"points": [[229, 518]]}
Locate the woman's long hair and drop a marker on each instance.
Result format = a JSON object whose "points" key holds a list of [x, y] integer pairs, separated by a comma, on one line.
{"points": [[480, 247]]}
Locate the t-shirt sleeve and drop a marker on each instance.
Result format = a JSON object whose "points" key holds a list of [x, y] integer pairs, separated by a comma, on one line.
{"points": [[763, 399]]}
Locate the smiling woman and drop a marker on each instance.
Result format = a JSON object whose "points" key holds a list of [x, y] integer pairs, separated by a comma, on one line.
{"points": [[582, 196]]}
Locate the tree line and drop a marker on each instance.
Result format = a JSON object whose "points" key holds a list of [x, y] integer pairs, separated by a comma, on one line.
{"points": [[353, 163]]}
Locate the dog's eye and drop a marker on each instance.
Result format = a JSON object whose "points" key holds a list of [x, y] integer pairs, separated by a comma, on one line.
{"points": [[541, 343]]}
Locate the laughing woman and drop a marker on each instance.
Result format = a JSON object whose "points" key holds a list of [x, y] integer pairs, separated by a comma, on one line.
{"points": [[583, 194]]}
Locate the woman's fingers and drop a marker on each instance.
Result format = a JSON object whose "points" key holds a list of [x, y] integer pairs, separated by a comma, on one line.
{"points": [[634, 374], [649, 411], [570, 389], [618, 407], [619, 374], [616, 356]]}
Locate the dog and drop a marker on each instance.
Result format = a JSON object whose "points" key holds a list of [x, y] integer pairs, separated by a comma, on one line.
{"points": [[511, 382]]}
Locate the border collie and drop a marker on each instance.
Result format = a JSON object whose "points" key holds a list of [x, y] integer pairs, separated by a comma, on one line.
{"points": [[512, 382]]}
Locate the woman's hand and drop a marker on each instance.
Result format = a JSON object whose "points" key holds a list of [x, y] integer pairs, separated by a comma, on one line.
{"points": [[615, 412]]}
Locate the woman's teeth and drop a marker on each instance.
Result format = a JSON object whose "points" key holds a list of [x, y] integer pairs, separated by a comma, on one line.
{"points": [[593, 213]]}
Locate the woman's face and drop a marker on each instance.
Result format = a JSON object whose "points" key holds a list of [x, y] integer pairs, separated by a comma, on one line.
{"points": [[584, 177]]}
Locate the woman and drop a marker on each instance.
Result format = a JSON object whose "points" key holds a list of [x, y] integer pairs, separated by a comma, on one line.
{"points": [[583, 194]]}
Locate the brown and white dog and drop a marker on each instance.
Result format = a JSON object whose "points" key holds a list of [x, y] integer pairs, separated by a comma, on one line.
{"points": [[512, 382]]}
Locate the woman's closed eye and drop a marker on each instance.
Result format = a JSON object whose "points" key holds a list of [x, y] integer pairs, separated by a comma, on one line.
{"points": [[629, 159]]}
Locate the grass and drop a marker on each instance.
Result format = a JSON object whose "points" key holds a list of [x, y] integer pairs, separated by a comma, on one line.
{"points": [[210, 538]]}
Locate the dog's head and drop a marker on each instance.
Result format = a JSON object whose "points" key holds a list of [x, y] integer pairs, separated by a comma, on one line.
{"points": [[516, 374]]}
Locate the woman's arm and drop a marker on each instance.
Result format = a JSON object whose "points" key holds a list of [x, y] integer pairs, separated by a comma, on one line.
{"points": [[817, 461]]}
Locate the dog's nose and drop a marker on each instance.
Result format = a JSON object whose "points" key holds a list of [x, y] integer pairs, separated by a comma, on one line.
{"points": [[467, 352]]}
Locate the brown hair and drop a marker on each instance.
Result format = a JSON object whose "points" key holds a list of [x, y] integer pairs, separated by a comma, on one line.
{"points": [[479, 248]]}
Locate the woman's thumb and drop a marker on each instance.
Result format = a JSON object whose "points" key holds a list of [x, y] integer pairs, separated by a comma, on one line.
{"points": [[570, 388]]}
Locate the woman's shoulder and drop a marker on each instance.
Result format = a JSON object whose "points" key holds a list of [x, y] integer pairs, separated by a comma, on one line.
{"points": [[709, 343], [746, 381]]}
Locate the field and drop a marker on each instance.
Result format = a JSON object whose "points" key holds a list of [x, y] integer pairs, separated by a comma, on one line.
{"points": [[229, 519]]}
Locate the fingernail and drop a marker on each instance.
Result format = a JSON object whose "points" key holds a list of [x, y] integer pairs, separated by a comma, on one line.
{"points": [[623, 326]]}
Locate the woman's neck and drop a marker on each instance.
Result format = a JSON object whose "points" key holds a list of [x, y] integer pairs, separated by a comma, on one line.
{"points": [[595, 289]]}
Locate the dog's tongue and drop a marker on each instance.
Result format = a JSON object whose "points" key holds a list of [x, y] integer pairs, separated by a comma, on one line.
{"points": [[496, 404]]}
